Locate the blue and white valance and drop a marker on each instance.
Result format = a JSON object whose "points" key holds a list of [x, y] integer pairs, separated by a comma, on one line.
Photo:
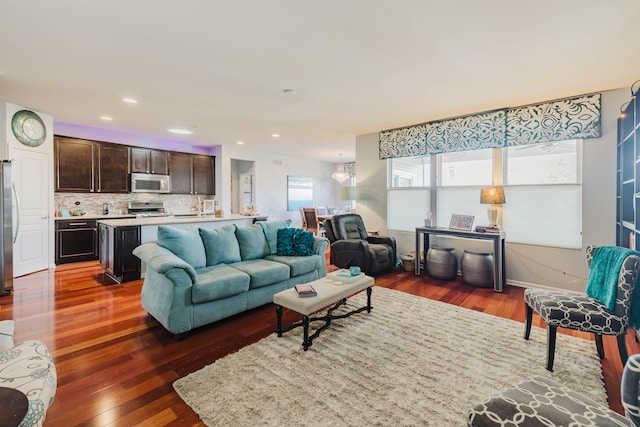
{"points": [[403, 142], [570, 118], [484, 130]]}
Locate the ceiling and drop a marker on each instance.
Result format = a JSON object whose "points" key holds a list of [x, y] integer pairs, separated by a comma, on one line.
{"points": [[221, 68]]}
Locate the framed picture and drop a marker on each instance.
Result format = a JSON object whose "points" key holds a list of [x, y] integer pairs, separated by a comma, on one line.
{"points": [[461, 222], [299, 192]]}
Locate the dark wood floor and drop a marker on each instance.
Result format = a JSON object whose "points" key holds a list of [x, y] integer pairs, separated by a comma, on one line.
{"points": [[115, 366]]}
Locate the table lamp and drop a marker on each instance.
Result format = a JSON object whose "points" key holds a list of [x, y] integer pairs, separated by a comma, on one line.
{"points": [[492, 196]]}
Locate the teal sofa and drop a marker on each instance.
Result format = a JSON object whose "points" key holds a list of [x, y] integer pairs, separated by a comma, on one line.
{"points": [[196, 276]]}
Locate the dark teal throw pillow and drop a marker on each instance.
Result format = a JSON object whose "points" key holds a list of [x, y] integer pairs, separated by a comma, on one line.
{"points": [[284, 241], [302, 243], [295, 242]]}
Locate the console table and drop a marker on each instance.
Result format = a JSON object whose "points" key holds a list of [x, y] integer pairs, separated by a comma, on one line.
{"points": [[422, 242]]}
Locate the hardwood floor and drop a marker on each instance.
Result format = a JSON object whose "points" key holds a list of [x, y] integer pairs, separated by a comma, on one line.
{"points": [[115, 366]]}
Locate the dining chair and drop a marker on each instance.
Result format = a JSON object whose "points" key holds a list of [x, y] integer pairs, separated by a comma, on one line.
{"points": [[304, 220], [564, 309], [311, 220], [322, 210], [332, 210]]}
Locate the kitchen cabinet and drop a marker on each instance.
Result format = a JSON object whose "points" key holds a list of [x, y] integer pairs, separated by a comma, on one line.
{"points": [[116, 247], [204, 174], [76, 240], [112, 166], [90, 166], [73, 165], [146, 160], [181, 173]]}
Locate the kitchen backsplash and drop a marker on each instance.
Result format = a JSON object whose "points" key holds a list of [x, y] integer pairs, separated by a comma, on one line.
{"points": [[118, 203]]}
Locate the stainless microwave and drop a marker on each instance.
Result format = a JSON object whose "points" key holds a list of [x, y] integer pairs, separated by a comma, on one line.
{"points": [[149, 183]]}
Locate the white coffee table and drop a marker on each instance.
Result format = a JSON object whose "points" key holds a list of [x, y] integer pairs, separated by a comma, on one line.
{"points": [[330, 290]]}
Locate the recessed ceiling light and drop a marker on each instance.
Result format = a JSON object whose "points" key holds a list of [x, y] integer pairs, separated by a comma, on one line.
{"points": [[129, 100], [240, 142], [106, 118], [180, 131], [275, 135], [289, 91]]}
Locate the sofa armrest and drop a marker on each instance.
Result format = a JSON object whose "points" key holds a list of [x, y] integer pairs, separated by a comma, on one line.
{"points": [[162, 260], [320, 245]]}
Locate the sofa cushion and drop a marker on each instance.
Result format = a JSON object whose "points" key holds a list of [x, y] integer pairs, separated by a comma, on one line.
{"points": [[263, 272], [217, 282], [220, 245], [185, 243], [253, 243], [270, 229], [299, 265]]}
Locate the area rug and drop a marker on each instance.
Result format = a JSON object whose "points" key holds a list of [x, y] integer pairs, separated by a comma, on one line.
{"points": [[412, 361]]}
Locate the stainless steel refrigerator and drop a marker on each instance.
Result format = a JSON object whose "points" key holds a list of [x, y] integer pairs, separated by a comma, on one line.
{"points": [[6, 228]]}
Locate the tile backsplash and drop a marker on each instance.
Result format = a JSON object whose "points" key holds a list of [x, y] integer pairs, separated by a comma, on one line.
{"points": [[118, 203]]}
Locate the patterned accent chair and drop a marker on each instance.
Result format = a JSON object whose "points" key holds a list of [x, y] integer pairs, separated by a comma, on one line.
{"points": [[27, 367], [351, 245], [540, 401], [560, 309]]}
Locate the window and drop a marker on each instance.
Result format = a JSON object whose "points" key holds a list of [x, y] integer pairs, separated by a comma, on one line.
{"points": [[544, 194], [409, 172], [408, 185], [465, 168]]}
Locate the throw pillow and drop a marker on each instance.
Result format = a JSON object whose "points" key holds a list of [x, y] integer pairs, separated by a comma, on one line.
{"points": [[285, 241], [270, 229], [221, 245], [295, 242], [303, 243], [253, 243], [185, 243]]}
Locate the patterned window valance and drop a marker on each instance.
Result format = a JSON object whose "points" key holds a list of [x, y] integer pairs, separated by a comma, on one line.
{"points": [[569, 118]]}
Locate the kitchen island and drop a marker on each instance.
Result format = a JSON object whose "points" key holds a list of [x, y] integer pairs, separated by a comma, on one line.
{"points": [[119, 237]]}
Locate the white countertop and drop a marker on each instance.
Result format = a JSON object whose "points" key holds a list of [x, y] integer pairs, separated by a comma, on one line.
{"points": [[90, 216], [168, 220]]}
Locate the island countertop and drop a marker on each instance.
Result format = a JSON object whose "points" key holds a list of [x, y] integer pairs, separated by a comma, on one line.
{"points": [[178, 219]]}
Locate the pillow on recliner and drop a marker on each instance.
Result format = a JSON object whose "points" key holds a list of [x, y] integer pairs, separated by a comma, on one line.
{"points": [[185, 243]]}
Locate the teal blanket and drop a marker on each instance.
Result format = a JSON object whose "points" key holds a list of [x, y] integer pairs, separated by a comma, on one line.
{"points": [[602, 282]]}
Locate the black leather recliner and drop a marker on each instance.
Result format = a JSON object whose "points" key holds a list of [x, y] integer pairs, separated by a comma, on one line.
{"points": [[351, 245]]}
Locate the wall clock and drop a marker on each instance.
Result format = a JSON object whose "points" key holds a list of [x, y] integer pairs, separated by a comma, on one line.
{"points": [[28, 128]]}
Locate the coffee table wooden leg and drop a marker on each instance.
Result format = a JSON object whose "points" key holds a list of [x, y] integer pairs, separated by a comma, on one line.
{"points": [[369, 290], [279, 317], [306, 343]]}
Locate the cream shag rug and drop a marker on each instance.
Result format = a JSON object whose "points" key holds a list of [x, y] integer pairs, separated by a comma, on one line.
{"points": [[412, 361]]}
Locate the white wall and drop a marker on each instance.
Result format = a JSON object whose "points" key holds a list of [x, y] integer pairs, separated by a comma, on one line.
{"points": [[271, 181], [527, 265]]}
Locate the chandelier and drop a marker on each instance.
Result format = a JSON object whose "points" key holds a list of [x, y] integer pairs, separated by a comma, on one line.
{"points": [[341, 176]]}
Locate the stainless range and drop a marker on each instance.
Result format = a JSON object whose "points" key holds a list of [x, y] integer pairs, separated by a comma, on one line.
{"points": [[147, 209]]}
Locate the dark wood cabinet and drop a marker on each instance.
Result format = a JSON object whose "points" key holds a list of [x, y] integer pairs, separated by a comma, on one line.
{"points": [[116, 252], [76, 240], [90, 166], [145, 160], [112, 168], [103, 167], [73, 165], [181, 173], [204, 174]]}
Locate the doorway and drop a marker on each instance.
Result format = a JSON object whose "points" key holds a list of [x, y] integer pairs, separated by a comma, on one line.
{"points": [[242, 186]]}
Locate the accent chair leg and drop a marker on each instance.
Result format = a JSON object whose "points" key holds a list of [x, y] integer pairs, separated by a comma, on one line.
{"points": [[551, 346], [527, 321], [622, 347], [599, 345]]}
